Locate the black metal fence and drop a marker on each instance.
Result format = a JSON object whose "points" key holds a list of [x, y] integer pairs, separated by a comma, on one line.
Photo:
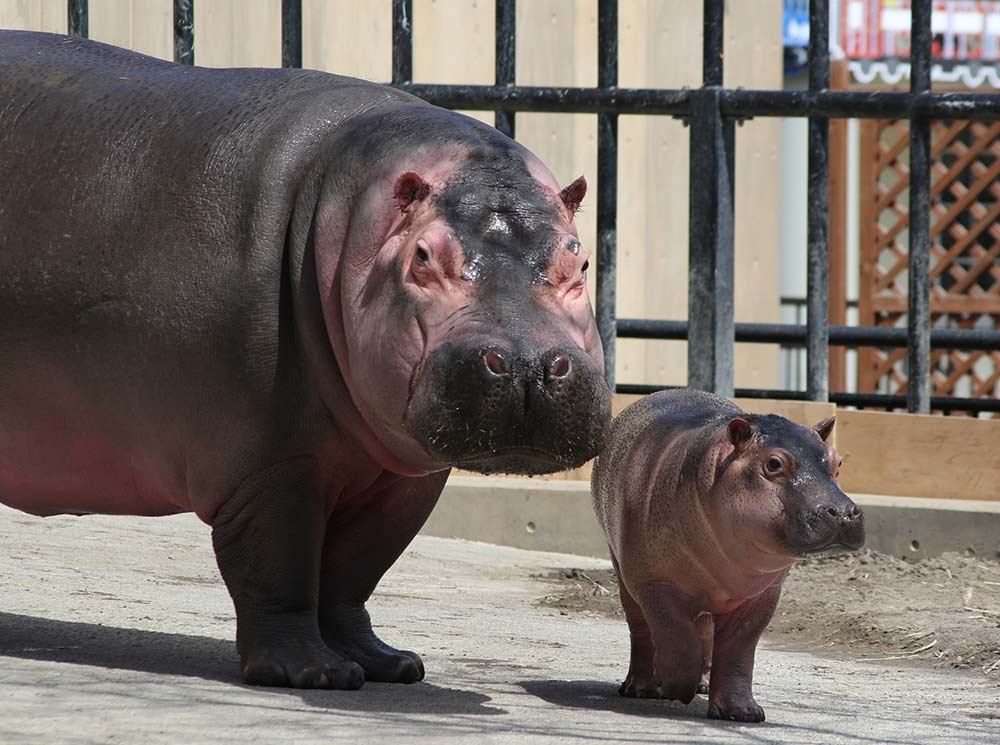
{"points": [[712, 112]]}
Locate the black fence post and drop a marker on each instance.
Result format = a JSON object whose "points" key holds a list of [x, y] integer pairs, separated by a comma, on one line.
{"points": [[711, 333], [184, 32], [607, 186], [291, 33], [78, 18], [402, 41], [918, 391], [505, 57], [818, 251]]}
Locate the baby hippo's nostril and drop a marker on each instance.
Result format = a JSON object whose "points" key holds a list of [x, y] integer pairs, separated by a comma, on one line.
{"points": [[495, 363], [560, 367]]}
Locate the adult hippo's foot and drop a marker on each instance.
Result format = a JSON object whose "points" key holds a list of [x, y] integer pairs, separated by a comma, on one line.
{"points": [[297, 658], [347, 628]]}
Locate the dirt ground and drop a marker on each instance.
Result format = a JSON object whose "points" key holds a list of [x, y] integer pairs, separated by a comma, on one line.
{"points": [[865, 606]]}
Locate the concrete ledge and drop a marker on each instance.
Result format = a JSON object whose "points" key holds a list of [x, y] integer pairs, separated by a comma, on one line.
{"points": [[557, 516]]}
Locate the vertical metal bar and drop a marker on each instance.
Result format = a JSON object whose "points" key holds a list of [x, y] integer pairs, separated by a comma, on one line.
{"points": [[402, 41], [607, 186], [184, 32], [918, 392], [818, 252], [711, 332], [713, 42], [506, 51], [291, 33], [78, 18]]}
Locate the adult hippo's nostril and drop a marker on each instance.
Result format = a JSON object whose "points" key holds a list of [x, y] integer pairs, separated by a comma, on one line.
{"points": [[560, 367], [495, 363], [507, 410]]}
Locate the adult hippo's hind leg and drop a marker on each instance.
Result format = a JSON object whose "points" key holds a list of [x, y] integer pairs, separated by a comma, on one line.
{"points": [[359, 549], [268, 538]]}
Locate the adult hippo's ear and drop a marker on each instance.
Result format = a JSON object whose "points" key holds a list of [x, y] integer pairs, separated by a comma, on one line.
{"points": [[573, 195], [410, 187], [739, 432], [824, 428]]}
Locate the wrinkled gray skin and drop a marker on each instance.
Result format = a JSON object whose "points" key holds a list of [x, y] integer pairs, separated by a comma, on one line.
{"points": [[705, 509], [289, 302]]}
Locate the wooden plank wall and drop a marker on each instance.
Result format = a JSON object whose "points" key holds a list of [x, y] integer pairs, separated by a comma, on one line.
{"points": [[904, 455], [660, 43]]}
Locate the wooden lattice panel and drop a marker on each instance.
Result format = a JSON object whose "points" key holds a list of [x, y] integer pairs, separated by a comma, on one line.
{"points": [[965, 250]]}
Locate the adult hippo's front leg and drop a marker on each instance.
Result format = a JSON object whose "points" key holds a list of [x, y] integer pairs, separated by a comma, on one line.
{"points": [[268, 540], [360, 547]]}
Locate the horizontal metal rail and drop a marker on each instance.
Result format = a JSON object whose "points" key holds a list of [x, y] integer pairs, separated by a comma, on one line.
{"points": [[882, 400], [736, 103], [712, 110], [790, 334]]}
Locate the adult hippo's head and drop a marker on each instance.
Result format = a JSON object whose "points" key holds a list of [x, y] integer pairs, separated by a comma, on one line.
{"points": [[469, 333]]}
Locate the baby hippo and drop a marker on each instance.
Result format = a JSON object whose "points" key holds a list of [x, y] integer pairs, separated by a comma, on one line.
{"points": [[705, 509]]}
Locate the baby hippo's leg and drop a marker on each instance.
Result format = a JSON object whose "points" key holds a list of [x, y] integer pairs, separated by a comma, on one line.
{"points": [[736, 636], [706, 630], [640, 681], [677, 658]]}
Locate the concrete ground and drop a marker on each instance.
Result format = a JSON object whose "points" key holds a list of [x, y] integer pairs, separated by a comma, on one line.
{"points": [[119, 630]]}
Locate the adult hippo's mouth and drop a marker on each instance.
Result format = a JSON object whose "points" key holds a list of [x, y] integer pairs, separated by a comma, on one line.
{"points": [[539, 414], [515, 460]]}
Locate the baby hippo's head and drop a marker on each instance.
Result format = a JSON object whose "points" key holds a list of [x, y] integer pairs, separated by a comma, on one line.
{"points": [[790, 473]]}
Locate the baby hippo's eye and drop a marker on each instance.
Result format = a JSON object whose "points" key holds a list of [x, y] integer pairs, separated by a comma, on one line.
{"points": [[773, 466], [422, 256]]}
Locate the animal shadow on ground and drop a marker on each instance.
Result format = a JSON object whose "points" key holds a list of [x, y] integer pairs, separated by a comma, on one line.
{"points": [[159, 653], [602, 695]]}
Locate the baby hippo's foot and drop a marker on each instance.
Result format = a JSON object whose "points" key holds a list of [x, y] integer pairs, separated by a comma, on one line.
{"points": [[735, 709], [348, 630], [640, 686]]}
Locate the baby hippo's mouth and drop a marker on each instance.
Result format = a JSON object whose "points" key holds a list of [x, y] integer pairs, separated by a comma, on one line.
{"points": [[827, 529]]}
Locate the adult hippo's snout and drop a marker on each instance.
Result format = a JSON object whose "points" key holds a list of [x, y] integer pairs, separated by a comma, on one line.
{"points": [[510, 410]]}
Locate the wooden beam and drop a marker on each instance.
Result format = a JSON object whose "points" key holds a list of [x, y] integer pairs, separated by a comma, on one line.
{"points": [[919, 456]]}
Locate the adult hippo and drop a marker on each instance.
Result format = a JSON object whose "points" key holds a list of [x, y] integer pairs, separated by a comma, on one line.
{"points": [[288, 302]]}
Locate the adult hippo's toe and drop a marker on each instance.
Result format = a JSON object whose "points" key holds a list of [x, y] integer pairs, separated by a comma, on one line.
{"points": [[491, 409]]}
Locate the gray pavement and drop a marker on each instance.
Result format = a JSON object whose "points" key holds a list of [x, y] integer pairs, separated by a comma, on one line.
{"points": [[119, 630]]}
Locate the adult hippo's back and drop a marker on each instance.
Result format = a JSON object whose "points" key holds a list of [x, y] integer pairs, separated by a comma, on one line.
{"points": [[289, 302]]}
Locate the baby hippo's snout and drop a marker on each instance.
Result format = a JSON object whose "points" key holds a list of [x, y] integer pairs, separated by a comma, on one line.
{"points": [[836, 522], [510, 408]]}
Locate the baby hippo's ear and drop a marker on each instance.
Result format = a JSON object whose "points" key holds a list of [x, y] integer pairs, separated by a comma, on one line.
{"points": [[824, 428], [739, 432]]}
